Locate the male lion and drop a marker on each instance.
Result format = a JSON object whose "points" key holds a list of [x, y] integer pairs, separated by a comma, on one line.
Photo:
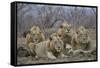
{"points": [[35, 35], [51, 48], [81, 39], [65, 33]]}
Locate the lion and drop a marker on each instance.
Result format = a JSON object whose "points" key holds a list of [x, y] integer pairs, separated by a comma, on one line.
{"points": [[35, 35], [51, 48], [81, 39], [65, 32]]}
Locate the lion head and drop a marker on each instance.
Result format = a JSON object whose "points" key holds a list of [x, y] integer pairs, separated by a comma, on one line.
{"points": [[56, 44], [65, 27], [82, 35], [36, 34], [82, 38]]}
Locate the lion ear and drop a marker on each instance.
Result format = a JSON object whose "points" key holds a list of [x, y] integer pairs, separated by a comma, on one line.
{"points": [[77, 32], [59, 35], [61, 26], [40, 32]]}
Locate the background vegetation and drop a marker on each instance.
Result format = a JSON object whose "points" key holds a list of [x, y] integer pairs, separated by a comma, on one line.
{"points": [[49, 17]]}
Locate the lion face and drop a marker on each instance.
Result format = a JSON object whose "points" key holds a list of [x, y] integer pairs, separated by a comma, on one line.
{"points": [[36, 34], [66, 27], [56, 43], [83, 36], [58, 46]]}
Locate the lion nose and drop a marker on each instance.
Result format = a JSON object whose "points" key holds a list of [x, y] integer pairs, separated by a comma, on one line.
{"points": [[58, 47], [35, 39], [68, 29], [83, 38]]}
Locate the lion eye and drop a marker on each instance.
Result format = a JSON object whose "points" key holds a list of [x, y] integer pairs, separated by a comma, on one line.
{"points": [[59, 35]]}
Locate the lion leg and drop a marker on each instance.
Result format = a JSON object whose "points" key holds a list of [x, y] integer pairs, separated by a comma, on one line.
{"points": [[70, 52], [51, 56], [62, 55], [77, 52]]}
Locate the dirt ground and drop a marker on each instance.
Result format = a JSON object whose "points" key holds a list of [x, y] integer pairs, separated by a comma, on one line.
{"points": [[31, 60]]}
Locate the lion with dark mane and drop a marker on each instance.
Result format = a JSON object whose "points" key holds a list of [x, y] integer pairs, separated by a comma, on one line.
{"points": [[35, 35], [81, 39]]}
